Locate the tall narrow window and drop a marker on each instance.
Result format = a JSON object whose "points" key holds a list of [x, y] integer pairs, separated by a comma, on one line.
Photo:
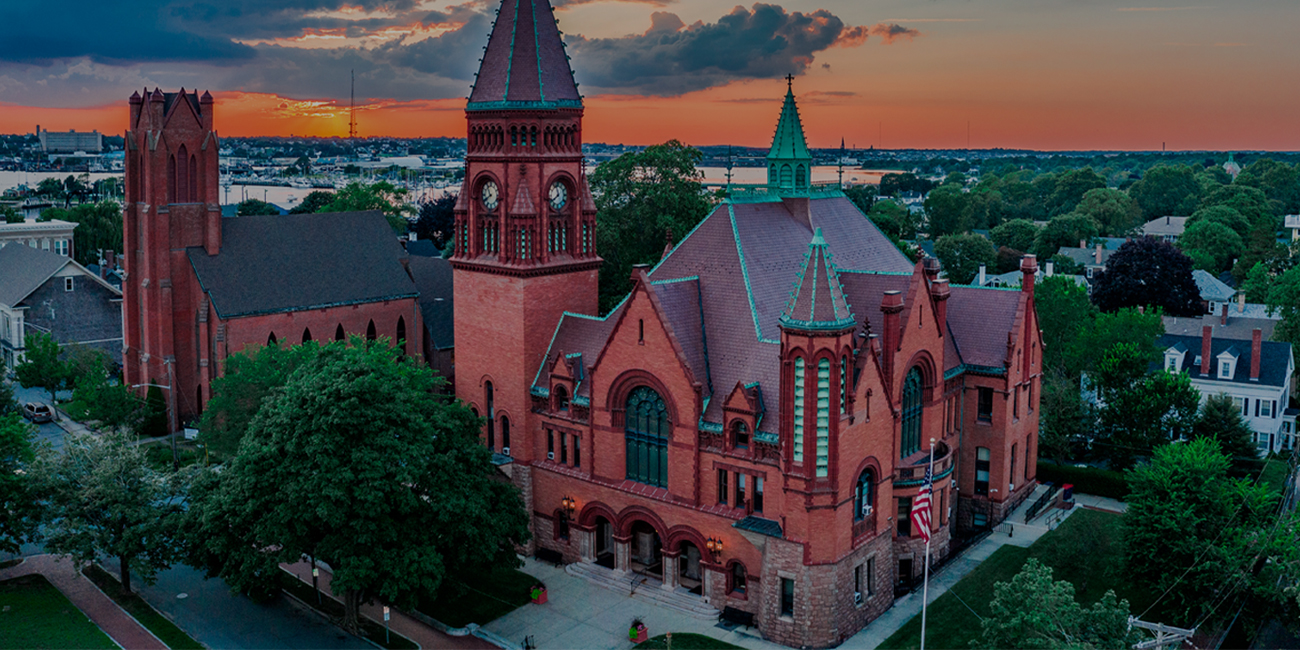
{"points": [[862, 495], [338, 333], [985, 409], [1012, 473], [370, 331], [505, 435], [270, 340], [564, 449], [401, 334], [740, 435], [491, 415], [740, 490], [758, 494], [798, 409], [844, 384], [722, 486], [910, 441], [306, 334], [182, 176], [787, 597], [194, 180], [550, 444], [171, 180], [646, 432], [904, 516], [577, 451], [981, 470], [561, 398], [737, 578], [823, 417], [800, 177]]}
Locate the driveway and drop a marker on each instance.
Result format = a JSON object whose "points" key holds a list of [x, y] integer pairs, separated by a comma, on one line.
{"points": [[47, 432]]}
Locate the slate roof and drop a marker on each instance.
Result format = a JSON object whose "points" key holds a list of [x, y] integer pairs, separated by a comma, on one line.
{"points": [[680, 301], [1211, 288], [524, 65], [1165, 226], [759, 525], [422, 248], [1237, 327], [24, 269], [1274, 359], [295, 262], [788, 142], [817, 301], [432, 277], [1086, 256]]}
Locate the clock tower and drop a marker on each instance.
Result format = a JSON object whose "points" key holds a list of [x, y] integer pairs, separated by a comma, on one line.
{"points": [[525, 225]]}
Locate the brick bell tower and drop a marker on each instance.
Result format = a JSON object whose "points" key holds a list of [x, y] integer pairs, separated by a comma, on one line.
{"points": [[525, 224], [172, 203]]}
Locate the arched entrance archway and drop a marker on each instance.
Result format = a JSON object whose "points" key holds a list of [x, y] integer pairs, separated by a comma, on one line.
{"points": [[688, 568], [604, 542], [646, 552]]}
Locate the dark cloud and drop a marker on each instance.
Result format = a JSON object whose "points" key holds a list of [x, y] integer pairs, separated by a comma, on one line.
{"points": [[672, 58], [565, 4]]}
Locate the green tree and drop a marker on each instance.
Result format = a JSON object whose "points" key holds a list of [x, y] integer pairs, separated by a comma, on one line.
{"points": [[395, 515], [1065, 230], [946, 209], [10, 214], [863, 196], [1224, 215], [1070, 189], [50, 188], [254, 207], [382, 196], [114, 406], [99, 228], [1251, 203], [1189, 526], [1220, 419], [42, 365], [17, 500], [1257, 284], [1166, 190], [1155, 410], [154, 422], [313, 202], [1063, 311], [1016, 234], [1066, 420], [643, 200], [1284, 298], [1115, 211], [1279, 181], [1211, 246], [1034, 611], [237, 395], [962, 255], [100, 497], [437, 221], [1151, 273], [1065, 265], [1108, 329], [893, 219]]}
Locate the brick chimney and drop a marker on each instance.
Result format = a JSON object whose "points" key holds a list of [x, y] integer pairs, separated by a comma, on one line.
{"points": [[931, 266], [1223, 314], [892, 305], [1205, 350], [1255, 348], [979, 280], [1028, 269], [1097, 254], [1241, 302], [939, 292], [1083, 243]]}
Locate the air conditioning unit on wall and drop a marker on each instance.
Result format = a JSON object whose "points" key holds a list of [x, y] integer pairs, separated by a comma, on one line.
{"points": [[505, 451], [550, 455], [857, 598]]}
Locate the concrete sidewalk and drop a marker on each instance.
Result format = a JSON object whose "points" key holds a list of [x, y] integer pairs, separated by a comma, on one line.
{"points": [[102, 611]]}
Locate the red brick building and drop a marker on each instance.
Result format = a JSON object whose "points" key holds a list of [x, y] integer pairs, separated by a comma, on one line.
{"points": [[200, 287], [748, 427]]}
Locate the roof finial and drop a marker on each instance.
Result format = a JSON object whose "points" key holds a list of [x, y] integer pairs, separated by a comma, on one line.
{"points": [[789, 82]]}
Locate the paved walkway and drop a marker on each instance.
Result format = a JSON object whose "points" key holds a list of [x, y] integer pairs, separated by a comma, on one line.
{"points": [[113, 620], [423, 635]]}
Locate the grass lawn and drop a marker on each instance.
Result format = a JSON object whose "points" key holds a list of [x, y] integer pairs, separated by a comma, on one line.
{"points": [[1274, 475], [34, 614], [160, 625], [491, 597], [370, 630], [685, 641], [1087, 549]]}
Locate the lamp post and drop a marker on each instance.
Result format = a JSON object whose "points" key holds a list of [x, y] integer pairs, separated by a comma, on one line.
{"points": [[715, 546]]}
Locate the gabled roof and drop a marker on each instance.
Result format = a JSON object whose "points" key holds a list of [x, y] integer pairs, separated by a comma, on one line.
{"points": [[1274, 359], [524, 65], [788, 142], [24, 269], [817, 301], [432, 277], [1211, 288], [294, 262]]}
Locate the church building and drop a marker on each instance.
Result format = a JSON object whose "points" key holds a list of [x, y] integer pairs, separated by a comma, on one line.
{"points": [[747, 429], [200, 287]]}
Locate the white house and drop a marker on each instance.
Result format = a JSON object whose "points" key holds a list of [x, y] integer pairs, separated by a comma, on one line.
{"points": [[1254, 372]]}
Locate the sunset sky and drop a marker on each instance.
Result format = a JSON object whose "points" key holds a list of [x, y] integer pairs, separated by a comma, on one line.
{"points": [[1042, 74]]}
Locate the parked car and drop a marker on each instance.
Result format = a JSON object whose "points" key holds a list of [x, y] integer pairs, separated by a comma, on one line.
{"points": [[38, 412]]}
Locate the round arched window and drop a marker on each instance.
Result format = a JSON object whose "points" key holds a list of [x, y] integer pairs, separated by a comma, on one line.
{"points": [[646, 431]]}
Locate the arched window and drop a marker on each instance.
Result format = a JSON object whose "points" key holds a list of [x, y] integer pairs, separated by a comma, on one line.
{"points": [[646, 430], [306, 334], [785, 176], [736, 578], [171, 179], [798, 409], [491, 415], [194, 179], [910, 442], [800, 177], [370, 331], [401, 334], [844, 384], [823, 417], [505, 435], [532, 137], [338, 333], [740, 435], [270, 340], [561, 399], [182, 176], [863, 497], [514, 136]]}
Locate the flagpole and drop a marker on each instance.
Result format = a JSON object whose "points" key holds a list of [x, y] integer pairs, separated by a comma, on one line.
{"points": [[925, 588]]}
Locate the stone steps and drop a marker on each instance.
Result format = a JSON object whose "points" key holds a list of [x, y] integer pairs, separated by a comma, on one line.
{"points": [[650, 591]]}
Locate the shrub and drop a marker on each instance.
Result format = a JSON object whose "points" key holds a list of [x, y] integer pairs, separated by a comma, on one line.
{"points": [[1089, 480]]}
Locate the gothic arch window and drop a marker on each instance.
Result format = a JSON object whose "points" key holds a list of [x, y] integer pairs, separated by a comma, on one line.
{"points": [[844, 383], [823, 418], [532, 137], [401, 334], [514, 136], [491, 415], [863, 495], [910, 442], [306, 334], [800, 177], [194, 179], [505, 435], [338, 333], [799, 405], [171, 179], [370, 331], [739, 435], [561, 398], [772, 176], [646, 430], [785, 176], [736, 578], [182, 176], [270, 340]]}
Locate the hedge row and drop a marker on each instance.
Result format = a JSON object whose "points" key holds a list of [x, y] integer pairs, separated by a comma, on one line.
{"points": [[1088, 480]]}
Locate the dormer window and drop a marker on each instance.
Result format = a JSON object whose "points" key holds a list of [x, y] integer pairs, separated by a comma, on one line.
{"points": [[561, 398], [1227, 364], [1225, 370], [1174, 358]]}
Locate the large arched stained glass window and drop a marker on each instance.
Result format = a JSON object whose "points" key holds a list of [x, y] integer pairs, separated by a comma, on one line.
{"points": [[911, 437], [862, 497], [646, 431]]}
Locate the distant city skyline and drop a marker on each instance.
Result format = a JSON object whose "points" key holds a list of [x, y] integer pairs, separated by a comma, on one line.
{"points": [[1106, 75]]}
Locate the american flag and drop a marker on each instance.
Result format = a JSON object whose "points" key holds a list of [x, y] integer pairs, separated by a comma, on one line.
{"points": [[921, 507]]}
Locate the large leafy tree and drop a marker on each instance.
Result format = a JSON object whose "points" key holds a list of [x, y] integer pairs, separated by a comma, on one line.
{"points": [[437, 222], [1140, 411], [1279, 181], [894, 184], [255, 207], [1284, 298], [1034, 611], [1067, 421], [1250, 202], [1016, 234], [644, 200], [962, 255], [1064, 230], [18, 513], [313, 202], [1224, 215], [1071, 186], [947, 209], [250, 377], [1115, 211], [1063, 311], [1220, 419], [1166, 190], [1211, 246], [382, 196], [1192, 531], [1151, 273], [99, 228], [42, 366], [358, 461], [99, 497]]}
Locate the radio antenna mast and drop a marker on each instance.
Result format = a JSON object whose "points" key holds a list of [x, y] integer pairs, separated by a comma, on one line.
{"points": [[352, 107]]}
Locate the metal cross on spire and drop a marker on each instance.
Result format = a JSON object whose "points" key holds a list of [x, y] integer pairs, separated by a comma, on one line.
{"points": [[789, 82]]}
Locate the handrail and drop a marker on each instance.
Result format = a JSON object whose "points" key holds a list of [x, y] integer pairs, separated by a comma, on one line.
{"points": [[1042, 502]]}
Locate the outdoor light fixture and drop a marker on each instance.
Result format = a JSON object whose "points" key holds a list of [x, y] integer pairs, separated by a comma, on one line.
{"points": [[569, 504], [714, 545]]}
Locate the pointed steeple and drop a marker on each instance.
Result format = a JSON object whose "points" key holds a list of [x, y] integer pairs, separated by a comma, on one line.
{"points": [[789, 162], [818, 302], [524, 65]]}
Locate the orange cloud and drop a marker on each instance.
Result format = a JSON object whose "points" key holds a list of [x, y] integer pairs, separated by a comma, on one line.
{"points": [[888, 33]]}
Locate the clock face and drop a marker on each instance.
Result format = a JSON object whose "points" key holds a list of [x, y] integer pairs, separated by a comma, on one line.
{"points": [[490, 196], [559, 196]]}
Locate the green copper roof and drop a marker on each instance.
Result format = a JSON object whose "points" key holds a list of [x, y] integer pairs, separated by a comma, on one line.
{"points": [[789, 143], [817, 301]]}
